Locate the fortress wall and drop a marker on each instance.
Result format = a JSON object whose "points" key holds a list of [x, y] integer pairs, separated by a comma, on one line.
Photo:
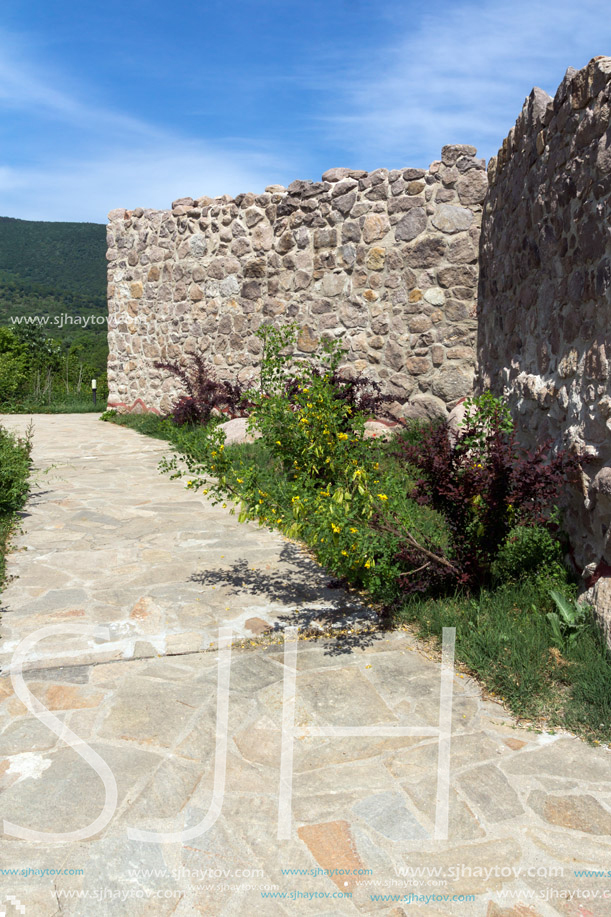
{"points": [[385, 261], [544, 314]]}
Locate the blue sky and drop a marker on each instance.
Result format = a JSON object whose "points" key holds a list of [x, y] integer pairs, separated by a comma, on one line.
{"points": [[137, 102]]}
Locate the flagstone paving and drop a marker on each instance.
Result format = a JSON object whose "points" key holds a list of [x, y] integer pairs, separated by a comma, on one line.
{"points": [[111, 542]]}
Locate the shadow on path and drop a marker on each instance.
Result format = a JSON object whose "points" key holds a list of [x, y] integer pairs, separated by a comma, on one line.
{"points": [[319, 606]]}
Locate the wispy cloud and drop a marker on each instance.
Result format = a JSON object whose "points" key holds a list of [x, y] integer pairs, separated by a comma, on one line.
{"points": [[448, 71], [459, 73], [26, 85], [116, 160], [87, 188]]}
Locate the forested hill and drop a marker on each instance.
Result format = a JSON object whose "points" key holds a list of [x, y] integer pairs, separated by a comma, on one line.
{"points": [[53, 295], [63, 256]]}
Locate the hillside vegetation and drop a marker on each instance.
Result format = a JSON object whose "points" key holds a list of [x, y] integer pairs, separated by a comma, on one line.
{"points": [[53, 332], [65, 256]]}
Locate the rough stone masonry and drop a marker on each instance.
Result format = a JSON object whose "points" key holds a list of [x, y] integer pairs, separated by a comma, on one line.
{"points": [[384, 261], [545, 295]]}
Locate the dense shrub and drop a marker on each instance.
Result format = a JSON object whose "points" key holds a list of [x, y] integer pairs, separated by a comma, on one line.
{"points": [[484, 485], [13, 365], [14, 471], [528, 550], [14, 484], [305, 422], [40, 374], [436, 512], [316, 477]]}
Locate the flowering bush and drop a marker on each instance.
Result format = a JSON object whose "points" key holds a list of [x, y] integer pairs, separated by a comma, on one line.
{"points": [[318, 478], [303, 422]]}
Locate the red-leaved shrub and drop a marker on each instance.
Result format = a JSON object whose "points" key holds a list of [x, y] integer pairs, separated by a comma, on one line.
{"points": [[484, 484]]}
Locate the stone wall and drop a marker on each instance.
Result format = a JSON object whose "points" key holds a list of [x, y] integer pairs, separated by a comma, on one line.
{"points": [[386, 261], [544, 316]]}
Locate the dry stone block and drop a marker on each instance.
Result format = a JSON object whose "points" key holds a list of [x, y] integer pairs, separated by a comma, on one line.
{"points": [[417, 365], [451, 219], [235, 431], [375, 259], [425, 407], [472, 187], [375, 226], [411, 225], [452, 383]]}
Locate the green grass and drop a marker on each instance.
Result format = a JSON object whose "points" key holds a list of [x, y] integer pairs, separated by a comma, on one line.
{"points": [[147, 424], [503, 636], [61, 403]]}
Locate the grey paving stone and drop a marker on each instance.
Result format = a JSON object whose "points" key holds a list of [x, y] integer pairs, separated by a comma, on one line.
{"points": [[387, 813]]}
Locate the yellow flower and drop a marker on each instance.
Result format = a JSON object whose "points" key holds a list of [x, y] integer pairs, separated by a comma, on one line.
{"points": [[278, 443], [342, 436], [240, 480], [367, 563], [345, 553], [353, 530], [382, 496], [336, 528], [294, 499]]}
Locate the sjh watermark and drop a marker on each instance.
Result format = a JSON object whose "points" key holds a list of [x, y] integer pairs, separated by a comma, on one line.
{"points": [[442, 731]]}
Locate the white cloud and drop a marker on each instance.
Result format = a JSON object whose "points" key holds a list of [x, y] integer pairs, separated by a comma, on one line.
{"points": [[460, 73], [151, 176]]}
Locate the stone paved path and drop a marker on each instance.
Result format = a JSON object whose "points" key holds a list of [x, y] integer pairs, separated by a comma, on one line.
{"points": [[111, 542]]}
